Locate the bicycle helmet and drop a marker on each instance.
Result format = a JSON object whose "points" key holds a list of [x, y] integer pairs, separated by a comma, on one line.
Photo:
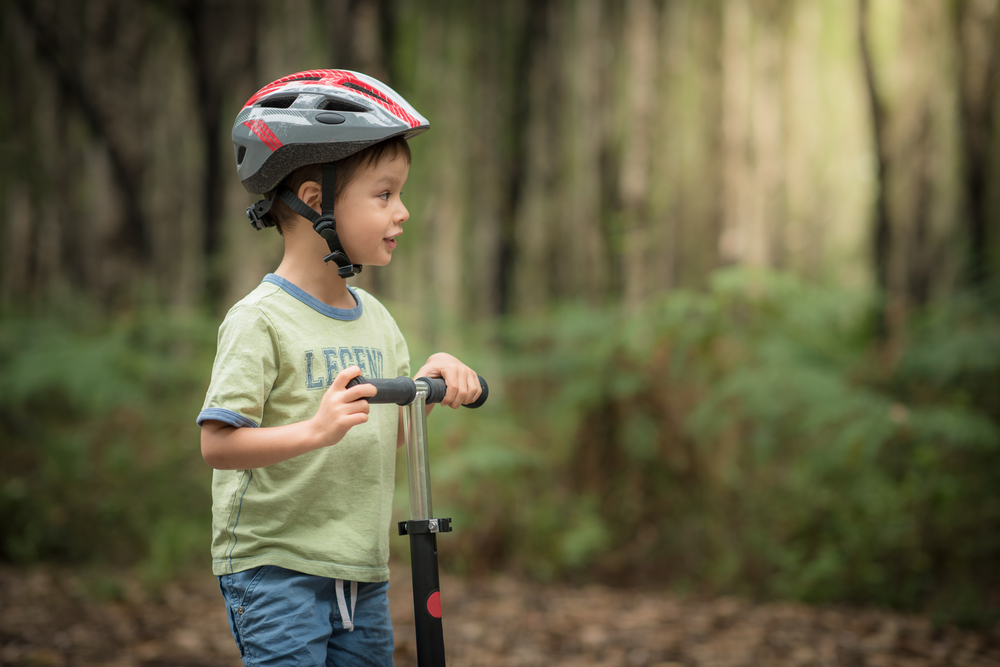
{"points": [[314, 117]]}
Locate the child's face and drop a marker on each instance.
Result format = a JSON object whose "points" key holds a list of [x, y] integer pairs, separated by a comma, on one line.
{"points": [[370, 213]]}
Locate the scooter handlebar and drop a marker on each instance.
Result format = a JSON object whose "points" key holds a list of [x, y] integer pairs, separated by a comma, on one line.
{"points": [[403, 390], [436, 389]]}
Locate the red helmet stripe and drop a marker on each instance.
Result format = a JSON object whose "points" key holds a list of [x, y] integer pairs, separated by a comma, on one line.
{"points": [[373, 94], [315, 74], [264, 133], [333, 77]]}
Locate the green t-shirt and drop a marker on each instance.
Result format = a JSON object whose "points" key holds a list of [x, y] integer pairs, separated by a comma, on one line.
{"points": [[326, 512]]}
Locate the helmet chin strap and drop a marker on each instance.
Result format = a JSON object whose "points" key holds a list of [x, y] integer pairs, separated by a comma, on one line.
{"points": [[324, 223]]}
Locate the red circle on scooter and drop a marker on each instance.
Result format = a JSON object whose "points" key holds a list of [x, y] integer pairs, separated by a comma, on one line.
{"points": [[434, 604]]}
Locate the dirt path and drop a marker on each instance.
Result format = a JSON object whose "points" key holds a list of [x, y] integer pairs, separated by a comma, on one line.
{"points": [[45, 620]]}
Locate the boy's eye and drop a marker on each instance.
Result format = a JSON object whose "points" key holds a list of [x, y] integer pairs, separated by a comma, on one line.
{"points": [[384, 196]]}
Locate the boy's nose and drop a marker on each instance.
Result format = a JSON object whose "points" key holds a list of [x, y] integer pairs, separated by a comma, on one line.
{"points": [[402, 215]]}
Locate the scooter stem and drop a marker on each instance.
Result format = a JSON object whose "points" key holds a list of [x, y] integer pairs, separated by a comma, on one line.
{"points": [[422, 531], [417, 464], [413, 396]]}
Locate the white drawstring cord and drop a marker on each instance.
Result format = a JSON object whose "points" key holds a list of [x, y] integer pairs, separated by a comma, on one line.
{"points": [[346, 618]]}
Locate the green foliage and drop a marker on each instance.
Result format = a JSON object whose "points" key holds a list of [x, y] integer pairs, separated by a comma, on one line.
{"points": [[99, 443], [751, 438]]}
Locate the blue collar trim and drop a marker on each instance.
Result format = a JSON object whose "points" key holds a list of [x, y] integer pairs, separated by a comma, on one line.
{"points": [[345, 314]]}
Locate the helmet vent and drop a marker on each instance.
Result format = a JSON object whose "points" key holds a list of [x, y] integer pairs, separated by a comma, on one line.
{"points": [[332, 104], [278, 102], [240, 154], [365, 91]]}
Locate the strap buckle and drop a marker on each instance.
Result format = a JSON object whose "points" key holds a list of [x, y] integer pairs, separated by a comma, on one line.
{"points": [[258, 214], [345, 269]]}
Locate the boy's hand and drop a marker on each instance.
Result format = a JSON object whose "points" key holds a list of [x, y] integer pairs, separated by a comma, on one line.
{"points": [[462, 381], [226, 447], [341, 408]]}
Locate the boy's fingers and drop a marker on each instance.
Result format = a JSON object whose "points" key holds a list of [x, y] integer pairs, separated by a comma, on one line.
{"points": [[462, 389], [477, 389], [345, 376], [359, 407], [463, 384], [450, 395], [454, 384], [356, 419], [359, 391], [465, 388], [355, 393]]}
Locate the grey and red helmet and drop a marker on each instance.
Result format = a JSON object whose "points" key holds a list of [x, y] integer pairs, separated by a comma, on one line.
{"points": [[314, 117]]}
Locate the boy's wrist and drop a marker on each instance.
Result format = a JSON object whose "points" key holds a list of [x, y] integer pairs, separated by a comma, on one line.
{"points": [[313, 436]]}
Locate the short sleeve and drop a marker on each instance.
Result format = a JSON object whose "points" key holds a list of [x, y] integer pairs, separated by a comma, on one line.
{"points": [[245, 368]]}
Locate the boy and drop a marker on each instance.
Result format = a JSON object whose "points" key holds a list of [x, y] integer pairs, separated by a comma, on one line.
{"points": [[302, 491]]}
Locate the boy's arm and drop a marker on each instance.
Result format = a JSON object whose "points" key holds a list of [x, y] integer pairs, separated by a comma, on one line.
{"points": [[226, 447]]}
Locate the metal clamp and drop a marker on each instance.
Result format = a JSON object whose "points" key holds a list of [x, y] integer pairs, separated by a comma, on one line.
{"points": [[418, 527]]}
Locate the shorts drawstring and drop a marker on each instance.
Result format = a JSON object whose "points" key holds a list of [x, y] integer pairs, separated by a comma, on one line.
{"points": [[342, 603]]}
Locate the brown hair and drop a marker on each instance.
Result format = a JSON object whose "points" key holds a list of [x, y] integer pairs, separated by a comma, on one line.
{"points": [[347, 170]]}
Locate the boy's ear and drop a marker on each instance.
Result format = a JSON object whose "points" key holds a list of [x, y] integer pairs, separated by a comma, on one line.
{"points": [[312, 194]]}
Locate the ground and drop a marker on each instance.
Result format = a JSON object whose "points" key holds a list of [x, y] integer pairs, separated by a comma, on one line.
{"points": [[52, 618]]}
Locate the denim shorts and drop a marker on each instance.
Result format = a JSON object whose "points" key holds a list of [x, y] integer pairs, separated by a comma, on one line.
{"points": [[283, 617]]}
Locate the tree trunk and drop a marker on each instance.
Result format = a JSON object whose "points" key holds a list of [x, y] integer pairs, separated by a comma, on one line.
{"points": [[57, 50], [640, 38], [528, 43], [881, 238], [976, 34]]}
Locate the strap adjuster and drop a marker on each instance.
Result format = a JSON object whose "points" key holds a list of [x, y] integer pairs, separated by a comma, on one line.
{"points": [[344, 267], [323, 223], [258, 214]]}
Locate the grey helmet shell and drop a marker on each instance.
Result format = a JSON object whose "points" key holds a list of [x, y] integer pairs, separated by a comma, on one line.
{"points": [[314, 117]]}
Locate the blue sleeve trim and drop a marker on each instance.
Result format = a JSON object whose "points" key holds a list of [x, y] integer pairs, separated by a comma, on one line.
{"points": [[226, 417]]}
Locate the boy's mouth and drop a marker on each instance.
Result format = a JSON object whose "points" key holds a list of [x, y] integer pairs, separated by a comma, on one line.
{"points": [[391, 242]]}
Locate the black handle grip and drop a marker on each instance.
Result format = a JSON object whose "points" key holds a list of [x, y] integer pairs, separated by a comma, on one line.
{"points": [[438, 388], [401, 390]]}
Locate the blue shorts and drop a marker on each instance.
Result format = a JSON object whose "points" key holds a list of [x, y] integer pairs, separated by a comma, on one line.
{"points": [[282, 617]]}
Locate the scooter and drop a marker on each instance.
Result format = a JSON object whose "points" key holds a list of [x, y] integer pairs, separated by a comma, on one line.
{"points": [[422, 529]]}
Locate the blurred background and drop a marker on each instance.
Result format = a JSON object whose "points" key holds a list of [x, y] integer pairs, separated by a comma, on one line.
{"points": [[730, 267]]}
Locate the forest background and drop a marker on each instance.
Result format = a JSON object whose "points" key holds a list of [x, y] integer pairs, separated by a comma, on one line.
{"points": [[730, 267]]}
